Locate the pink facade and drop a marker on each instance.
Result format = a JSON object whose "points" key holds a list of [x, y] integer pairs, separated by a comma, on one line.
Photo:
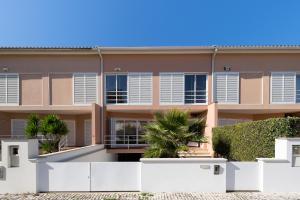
{"points": [[86, 87]]}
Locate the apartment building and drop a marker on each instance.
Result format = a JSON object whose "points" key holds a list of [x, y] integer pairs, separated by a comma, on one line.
{"points": [[107, 95]]}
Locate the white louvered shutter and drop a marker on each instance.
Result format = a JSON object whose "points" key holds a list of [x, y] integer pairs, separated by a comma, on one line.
{"points": [[12, 89], [220, 87], [283, 87], [85, 88], [146, 88], [18, 127], [140, 88], [289, 88], [2, 89], [233, 88], [79, 89], [226, 87], [178, 88], [90, 88], [171, 88]]}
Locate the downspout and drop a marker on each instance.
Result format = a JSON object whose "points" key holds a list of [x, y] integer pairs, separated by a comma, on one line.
{"points": [[215, 50], [101, 93]]}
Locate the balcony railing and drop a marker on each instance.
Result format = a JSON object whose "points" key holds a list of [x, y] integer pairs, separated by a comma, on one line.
{"points": [[124, 141]]}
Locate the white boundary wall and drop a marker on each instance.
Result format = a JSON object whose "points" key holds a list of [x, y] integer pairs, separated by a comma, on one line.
{"points": [[55, 172], [183, 175], [241, 176]]}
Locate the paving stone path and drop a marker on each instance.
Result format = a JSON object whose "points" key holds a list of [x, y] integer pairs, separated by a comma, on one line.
{"points": [[155, 196]]}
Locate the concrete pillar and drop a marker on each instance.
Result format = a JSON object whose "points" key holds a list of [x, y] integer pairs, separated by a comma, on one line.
{"points": [[46, 89], [211, 122], [96, 124]]}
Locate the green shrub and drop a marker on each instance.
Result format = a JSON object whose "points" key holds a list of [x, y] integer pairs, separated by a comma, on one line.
{"points": [[250, 140]]}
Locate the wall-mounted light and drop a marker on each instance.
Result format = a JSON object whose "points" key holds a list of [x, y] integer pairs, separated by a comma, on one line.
{"points": [[117, 69], [227, 68], [5, 69]]}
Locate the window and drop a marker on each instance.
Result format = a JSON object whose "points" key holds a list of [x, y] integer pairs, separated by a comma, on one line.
{"points": [[85, 88], [116, 89], [283, 87], [195, 89], [226, 87], [127, 132], [131, 88], [9, 89], [230, 122]]}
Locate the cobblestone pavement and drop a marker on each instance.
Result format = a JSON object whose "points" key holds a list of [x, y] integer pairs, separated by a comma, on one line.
{"points": [[156, 196]]}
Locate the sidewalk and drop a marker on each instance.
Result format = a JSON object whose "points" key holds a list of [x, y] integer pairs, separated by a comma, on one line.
{"points": [[156, 196]]}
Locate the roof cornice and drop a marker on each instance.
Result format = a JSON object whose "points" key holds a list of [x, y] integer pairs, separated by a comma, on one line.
{"points": [[148, 50]]}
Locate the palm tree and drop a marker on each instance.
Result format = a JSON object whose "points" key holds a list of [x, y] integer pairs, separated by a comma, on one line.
{"points": [[171, 132]]}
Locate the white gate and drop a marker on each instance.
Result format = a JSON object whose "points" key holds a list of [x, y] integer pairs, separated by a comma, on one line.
{"points": [[115, 176]]}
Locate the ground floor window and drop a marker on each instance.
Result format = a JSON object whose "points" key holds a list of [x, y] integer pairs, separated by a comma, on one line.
{"points": [[229, 121], [127, 132]]}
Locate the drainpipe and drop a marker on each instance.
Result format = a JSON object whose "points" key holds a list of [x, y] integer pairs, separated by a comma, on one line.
{"points": [[215, 50], [101, 93]]}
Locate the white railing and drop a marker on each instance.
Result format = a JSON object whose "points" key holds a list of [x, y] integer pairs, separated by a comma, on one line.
{"points": [[124, 141], [62, 143]]}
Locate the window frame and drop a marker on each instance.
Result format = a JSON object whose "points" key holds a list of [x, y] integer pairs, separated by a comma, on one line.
{"points": [[238, 88], [11, 104], [195, 84], [73, 88], [105, 91]]}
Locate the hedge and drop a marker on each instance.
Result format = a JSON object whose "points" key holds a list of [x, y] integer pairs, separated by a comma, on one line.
{"points": [[250, 140]]}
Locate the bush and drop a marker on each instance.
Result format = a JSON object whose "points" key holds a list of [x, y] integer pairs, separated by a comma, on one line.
{"points": [[250, 140]]}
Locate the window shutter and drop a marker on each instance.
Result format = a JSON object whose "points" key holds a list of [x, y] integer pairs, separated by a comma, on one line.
{"points": [[289, 88], [85, 88], [227, 87], [2, 89], [283, 87], [134, 88], [233, 88], [91, 88], [146, 88], [140, 88], [18, 127], [171, 88], [12, 89], [178, 88], [220, 87]]}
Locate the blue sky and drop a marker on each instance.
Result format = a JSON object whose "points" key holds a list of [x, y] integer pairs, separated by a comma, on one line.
{"points": [[148, 22]]}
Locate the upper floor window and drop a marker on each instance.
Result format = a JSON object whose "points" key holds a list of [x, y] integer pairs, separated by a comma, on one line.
{"points": [[180, 88], [283, 87], [9, 89], [116, 89], [226, 87], [195, 89], [131, 88], [85, 88]]}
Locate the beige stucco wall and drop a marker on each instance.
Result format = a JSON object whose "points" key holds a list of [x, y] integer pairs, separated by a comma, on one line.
{"points": [[5, 123], [61, 89], [260, 64], [31, 89], [200, 63], [35, 70]]}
